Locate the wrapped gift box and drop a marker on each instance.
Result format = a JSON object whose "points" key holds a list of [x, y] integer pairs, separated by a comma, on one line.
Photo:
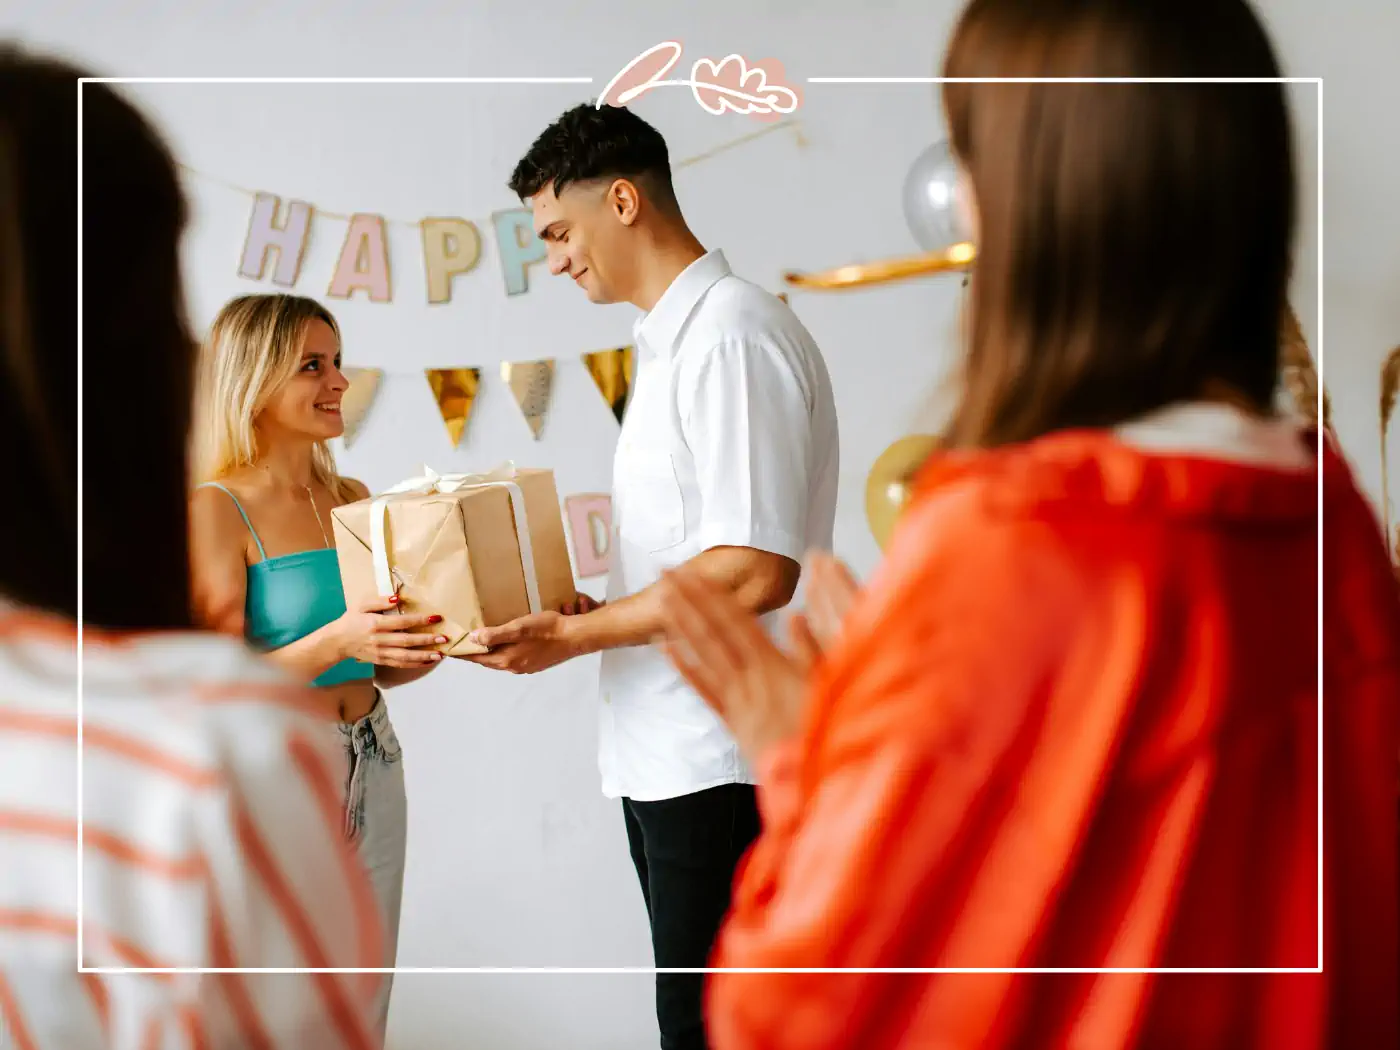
{"points": [[477, 549]]}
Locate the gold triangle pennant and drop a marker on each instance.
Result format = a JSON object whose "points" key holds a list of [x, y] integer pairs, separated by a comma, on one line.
{"points": [[454, 389], [612, 372], [1390, 393], [530, 383], [358, 396], [1298, 373]]}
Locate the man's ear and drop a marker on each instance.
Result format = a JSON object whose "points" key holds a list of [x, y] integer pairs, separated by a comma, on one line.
{"points": [[625, 201]]}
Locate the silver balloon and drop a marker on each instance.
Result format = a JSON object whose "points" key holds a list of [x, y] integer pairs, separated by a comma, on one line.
{"points": [[931, 205]]}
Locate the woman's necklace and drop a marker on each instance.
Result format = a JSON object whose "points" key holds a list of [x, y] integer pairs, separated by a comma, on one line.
{"points": [[315, 510]]}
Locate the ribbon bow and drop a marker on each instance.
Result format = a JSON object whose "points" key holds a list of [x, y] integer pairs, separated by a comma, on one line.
{"points": [[431, 482]]}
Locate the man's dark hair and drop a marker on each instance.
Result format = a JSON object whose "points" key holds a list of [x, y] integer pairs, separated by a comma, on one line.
{"points": [[589, 142]]}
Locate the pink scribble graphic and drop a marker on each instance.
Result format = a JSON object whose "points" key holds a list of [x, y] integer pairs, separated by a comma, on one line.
{"points": [[718, 85], [731, 84], [641, 74]]}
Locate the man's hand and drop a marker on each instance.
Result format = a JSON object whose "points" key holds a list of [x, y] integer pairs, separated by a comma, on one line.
{"points": [[526, 645]]}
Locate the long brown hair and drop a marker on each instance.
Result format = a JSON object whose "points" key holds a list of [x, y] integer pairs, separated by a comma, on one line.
{"points": [[137, 367], [1134, 239]]}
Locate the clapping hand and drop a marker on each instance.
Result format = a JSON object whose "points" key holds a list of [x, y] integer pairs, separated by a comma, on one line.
{"points": [[721, 649], [830, 592]]}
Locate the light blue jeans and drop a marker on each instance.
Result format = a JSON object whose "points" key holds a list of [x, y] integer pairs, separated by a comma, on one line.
{"points": [[376, 821]]}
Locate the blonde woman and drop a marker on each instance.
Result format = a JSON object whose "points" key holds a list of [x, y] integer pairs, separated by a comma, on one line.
{"points": [[265, 567]]}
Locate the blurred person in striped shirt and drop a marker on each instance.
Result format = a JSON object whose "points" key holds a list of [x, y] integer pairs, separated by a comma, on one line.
{"points": [[211, 811]]}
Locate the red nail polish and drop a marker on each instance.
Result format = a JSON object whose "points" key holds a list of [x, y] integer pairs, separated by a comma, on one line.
{"points": [[435, 619], [394, 600]]}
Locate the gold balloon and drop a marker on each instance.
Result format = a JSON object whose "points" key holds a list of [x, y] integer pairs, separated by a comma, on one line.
{"points": [[954, 258], [887, 487]]}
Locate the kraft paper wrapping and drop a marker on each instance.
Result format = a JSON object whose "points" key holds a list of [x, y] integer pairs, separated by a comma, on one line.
{"points": [[456, 553]]}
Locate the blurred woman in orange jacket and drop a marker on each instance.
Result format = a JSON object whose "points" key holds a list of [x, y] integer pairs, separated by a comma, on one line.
{"points": [[1076, 719]]}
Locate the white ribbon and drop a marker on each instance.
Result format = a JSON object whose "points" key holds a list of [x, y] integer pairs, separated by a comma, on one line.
{"points": [[431, 482]]}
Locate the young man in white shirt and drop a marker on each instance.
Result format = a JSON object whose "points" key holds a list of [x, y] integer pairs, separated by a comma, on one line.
{"points": [[727, 463]]}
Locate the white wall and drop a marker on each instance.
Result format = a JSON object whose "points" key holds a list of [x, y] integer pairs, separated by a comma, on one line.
{"points": [[514, 858]]}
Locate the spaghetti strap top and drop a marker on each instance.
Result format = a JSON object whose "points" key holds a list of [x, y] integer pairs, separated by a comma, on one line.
{"points": [[242, 514], [290, 596]]}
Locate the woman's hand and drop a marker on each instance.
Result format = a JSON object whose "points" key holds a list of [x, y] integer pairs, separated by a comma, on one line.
{"points": [[582, 603], [720, 648], [387, 641], [830, 592]]}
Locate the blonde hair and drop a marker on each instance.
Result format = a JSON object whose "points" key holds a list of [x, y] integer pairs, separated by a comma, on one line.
{"points": [[253, 347]]}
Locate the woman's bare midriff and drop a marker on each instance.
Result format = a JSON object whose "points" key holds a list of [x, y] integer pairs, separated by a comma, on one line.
{"points": [[350, 701]]}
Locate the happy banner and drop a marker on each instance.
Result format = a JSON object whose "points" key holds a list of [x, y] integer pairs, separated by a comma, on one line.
{"points": [[451, 248], [279, 231]]}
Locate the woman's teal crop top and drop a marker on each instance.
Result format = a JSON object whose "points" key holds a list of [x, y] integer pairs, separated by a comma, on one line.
{"points": [[292, 595]]}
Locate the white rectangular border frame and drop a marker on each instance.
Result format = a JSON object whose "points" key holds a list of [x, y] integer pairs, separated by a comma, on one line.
{"points": [[1321, 373]]}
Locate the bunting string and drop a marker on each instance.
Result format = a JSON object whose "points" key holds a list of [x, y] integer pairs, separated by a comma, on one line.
{"points": [[792, 124]]}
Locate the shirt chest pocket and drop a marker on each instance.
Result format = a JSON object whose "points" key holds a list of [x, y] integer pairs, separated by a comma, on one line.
{"points": [[652, 511]]}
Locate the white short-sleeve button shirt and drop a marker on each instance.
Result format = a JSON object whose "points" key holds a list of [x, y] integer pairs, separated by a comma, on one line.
{"points": [[730, 439]]}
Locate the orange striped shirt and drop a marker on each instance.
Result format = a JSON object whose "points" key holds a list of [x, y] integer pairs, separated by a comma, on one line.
{"points": [[212, 837]]}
